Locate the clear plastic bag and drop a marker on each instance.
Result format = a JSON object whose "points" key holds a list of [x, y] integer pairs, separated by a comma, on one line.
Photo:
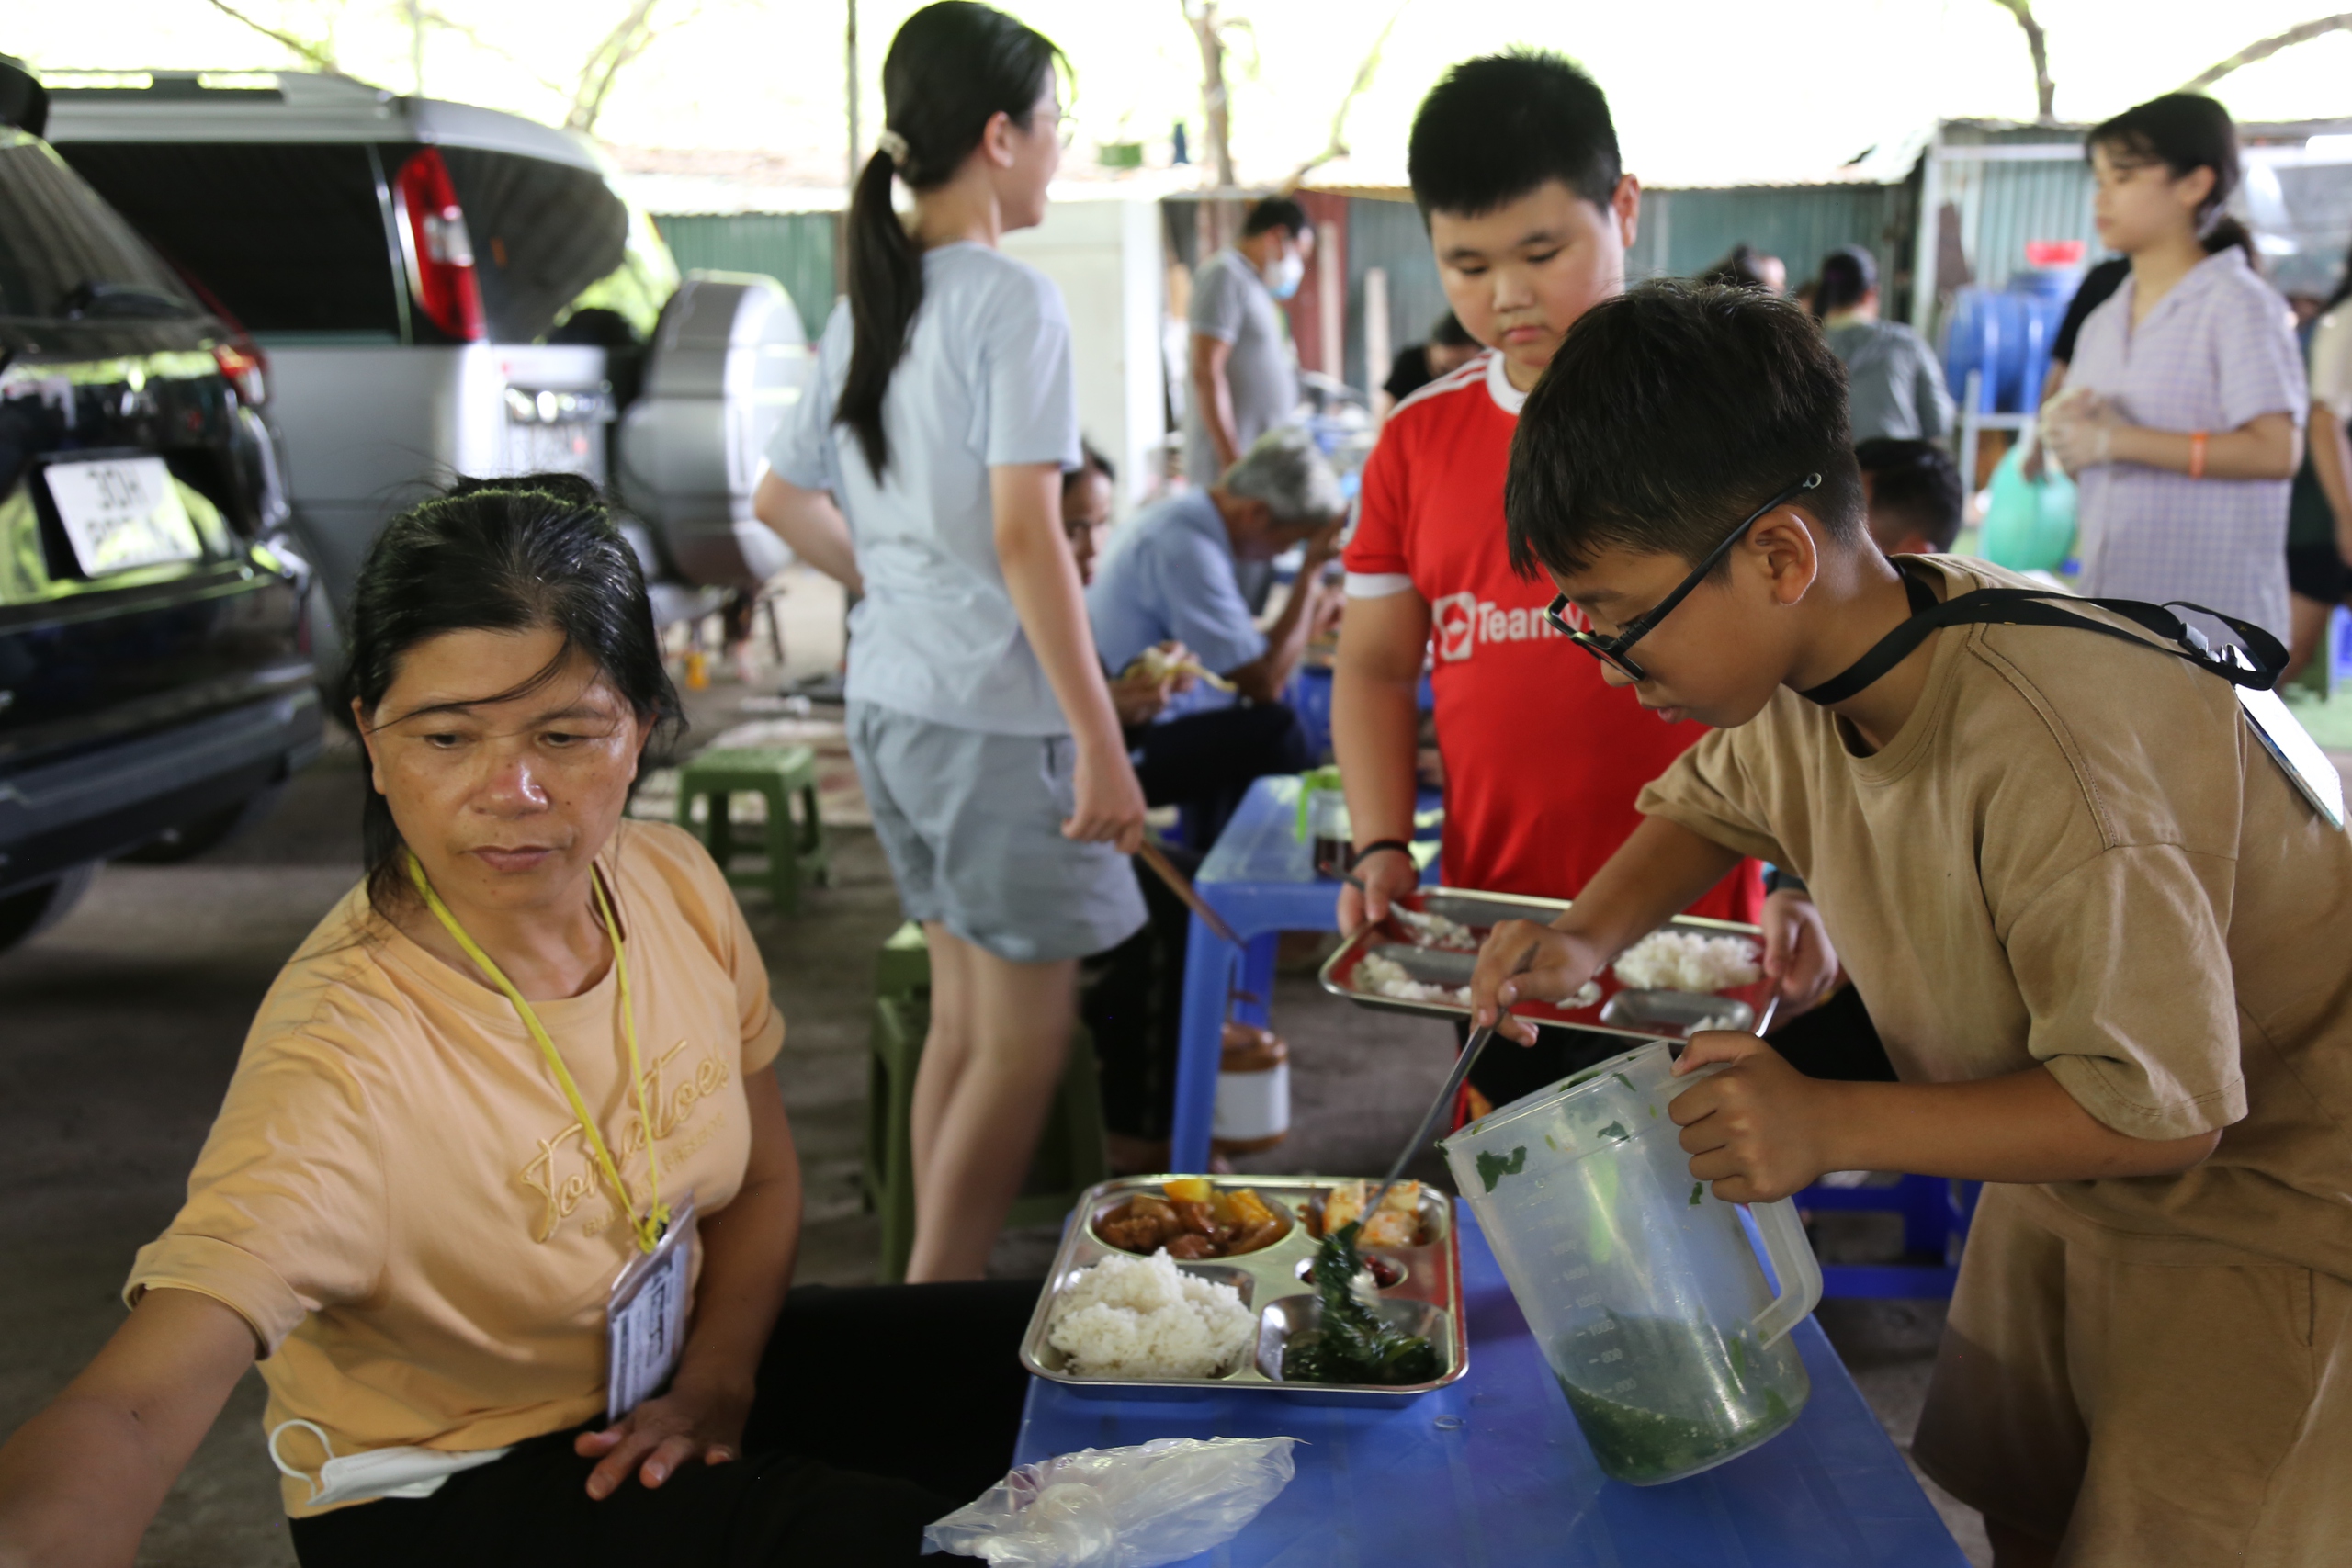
{"points": [[1136, 1507]]}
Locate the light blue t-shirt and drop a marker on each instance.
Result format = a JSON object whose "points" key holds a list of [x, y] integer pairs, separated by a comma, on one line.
{"points": [[985, 380], [1172, 575]]}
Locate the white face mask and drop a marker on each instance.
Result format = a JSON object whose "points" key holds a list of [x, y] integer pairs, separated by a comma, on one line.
{"points": [[1285, 276], [376, 1473]]}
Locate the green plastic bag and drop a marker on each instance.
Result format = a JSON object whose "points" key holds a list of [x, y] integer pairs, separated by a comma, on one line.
{"points": [[2029, 523]]}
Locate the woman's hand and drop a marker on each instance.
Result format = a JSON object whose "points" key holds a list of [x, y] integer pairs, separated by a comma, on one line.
{"points": [[1110, 800], [1523, 961], [1758, 1129], [2078, 428], [1798, 956], [689, 1423]]}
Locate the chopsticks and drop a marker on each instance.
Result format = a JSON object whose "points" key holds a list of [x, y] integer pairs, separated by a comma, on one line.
{"points": [[1165, 869]]}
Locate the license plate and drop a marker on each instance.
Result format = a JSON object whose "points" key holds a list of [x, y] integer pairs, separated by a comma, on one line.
{"points": [[121, 514]]}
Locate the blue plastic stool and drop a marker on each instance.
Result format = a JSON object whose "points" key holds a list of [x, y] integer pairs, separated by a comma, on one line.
{"points": [[1936, 1212]]}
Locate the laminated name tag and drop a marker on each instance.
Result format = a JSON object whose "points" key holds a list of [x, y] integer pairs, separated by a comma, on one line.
{"points": [[645, 1318]]}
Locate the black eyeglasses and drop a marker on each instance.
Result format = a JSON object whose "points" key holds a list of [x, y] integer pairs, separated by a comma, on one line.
{"points": [[1611, 650]]}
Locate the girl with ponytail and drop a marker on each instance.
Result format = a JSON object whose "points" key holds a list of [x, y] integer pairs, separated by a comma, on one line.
{"points": [[924, 469], [2182, 417]]}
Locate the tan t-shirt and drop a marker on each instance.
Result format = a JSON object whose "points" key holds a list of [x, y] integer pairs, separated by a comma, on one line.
{"points": [[396, 1196], [2077, 854]]}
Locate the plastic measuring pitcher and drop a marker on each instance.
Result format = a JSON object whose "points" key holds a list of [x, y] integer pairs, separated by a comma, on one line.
{"points": [[1639, 1284]]}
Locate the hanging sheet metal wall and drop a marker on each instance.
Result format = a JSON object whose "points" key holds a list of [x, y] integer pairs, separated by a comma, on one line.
{"points": [[1387, 233], [1682, 232], [797, 249]]}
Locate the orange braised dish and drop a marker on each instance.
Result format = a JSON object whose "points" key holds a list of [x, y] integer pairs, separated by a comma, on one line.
{"points": [[1195, 1218]]}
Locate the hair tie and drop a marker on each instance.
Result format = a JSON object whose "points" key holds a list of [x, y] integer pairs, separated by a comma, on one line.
{"points": [[893, 146]]}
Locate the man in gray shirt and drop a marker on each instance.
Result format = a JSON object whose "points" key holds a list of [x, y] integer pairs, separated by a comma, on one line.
{"points": [[1895, 387], [1244, 377]]}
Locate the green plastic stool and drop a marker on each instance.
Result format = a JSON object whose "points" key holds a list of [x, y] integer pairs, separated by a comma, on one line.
{"points": [[797, 851], [1070, 1156]]}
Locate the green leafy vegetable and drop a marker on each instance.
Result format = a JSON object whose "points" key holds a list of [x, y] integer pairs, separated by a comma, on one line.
{"points": [[1623, 1079], [1696, 1190], [1493, 1167], [1614, 1130], [1350, 1344]]}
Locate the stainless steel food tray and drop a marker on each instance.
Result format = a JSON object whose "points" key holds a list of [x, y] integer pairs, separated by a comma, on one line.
{"points": [[1636, 1015], [1426, 1301]]}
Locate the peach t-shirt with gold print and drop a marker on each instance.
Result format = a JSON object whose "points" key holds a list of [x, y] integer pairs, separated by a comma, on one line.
{"points": [[396, 1196]]}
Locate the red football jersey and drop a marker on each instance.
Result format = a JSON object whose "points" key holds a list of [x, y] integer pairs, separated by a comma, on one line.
{"points": [[1542, 757]]}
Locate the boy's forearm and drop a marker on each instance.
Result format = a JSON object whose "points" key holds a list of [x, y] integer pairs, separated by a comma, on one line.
{"points": [[1661, 869], [1376, 737], [2021, 1127]]}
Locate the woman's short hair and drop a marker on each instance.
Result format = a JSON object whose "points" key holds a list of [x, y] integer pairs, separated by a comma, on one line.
{"points": [[1284, 469], [542, 551]]}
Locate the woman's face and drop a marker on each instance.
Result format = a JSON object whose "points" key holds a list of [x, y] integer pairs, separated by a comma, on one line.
{"points": [[506, 803], [2139, 202], [1027, 160]]}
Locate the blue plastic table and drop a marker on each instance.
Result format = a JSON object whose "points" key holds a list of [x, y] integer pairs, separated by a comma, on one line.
{"points": [[1260, 878], [1492, 1473]]}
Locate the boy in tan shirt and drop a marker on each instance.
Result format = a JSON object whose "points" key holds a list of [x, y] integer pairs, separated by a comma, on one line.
{"points": [[2103, 935]]}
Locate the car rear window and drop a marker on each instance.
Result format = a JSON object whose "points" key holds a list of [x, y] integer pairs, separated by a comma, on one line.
{"points": [[542, 232], [57, 239], [288, 237]]}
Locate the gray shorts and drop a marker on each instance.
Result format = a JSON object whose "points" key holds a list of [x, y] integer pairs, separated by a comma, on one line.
{"points": [[972, 823]]}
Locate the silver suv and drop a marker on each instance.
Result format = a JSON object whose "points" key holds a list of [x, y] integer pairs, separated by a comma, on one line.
{"points": [[439, 288]]}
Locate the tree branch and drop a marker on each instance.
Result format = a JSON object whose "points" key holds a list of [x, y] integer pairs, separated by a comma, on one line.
{"points": [[2037, 43], [1338, 146], [317, 56], [627, 40], [1208, 32], [2265, 48]]}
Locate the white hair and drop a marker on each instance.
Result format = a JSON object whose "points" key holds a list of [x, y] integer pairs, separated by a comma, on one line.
{"points": [[1284, 469]]}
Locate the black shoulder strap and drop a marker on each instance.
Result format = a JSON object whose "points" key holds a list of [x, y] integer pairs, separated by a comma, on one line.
{"points": [[2031, 607]]}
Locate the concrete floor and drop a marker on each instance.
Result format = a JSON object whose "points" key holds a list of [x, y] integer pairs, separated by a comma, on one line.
{"points": [[124, 1023]]}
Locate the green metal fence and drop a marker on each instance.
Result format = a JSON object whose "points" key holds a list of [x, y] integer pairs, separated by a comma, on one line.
{"points": [[797, 249]]}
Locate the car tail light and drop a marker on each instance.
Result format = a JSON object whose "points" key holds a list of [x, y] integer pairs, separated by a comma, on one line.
{"points": [[246, 368], [440, 253]]}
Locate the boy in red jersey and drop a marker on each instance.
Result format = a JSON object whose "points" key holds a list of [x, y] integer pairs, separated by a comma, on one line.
{"points": [[1514, 164]]}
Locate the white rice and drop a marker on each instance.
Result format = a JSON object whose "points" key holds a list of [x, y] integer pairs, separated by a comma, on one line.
{"points": [[1435, 931], [1587, 994], [1687, 961], [1144, 1317], [1384, 977]]}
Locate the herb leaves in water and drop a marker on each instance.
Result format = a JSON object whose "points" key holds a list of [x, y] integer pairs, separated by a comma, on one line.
{"points": [[1350, 1344], [1493, 1167]]}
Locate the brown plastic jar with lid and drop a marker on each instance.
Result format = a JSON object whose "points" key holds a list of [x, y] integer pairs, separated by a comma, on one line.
{"points": [[1252, 1091]]}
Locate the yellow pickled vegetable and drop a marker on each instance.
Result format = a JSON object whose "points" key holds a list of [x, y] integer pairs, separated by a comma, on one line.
{"points": [[1187, 1189]]}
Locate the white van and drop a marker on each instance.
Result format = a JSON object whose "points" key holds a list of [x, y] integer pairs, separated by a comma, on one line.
{"points": [[441, 289]]}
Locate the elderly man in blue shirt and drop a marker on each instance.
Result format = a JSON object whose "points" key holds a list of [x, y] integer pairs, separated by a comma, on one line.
{"points": [[1173, 575]]}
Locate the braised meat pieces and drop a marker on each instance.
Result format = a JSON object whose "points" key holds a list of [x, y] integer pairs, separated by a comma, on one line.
{"points": [[1192, 1220]]}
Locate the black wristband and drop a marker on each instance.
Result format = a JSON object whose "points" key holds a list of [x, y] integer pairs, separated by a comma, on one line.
{"points": [[1779, 881], [1401, 846]]}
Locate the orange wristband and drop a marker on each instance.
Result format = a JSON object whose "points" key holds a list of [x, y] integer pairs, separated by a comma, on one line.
{"points": [[2197, 454]]}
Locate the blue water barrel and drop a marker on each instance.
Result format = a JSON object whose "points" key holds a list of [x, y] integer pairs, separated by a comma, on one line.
{"points": [[1973, 341], [2037, 300]]}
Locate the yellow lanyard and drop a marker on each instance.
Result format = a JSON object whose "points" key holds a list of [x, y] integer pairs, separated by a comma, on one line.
{"points": [[650, 1229]]}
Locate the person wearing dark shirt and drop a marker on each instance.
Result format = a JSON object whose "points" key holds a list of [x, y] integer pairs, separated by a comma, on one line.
{"points": [[1448, 350]]}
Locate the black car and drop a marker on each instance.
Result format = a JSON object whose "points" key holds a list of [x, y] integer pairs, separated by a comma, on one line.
{"points": [[155, 690]]}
